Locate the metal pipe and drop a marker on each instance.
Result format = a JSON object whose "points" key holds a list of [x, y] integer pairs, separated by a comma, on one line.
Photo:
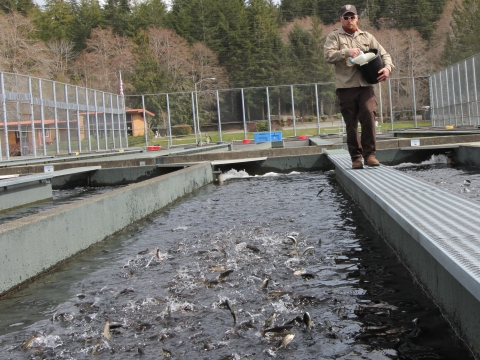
{"points": [[32, 118], [88, 121], [268, 112], [219, 120], [293, 112], [390, 99], [79, 136], [243, 114], [144, 121], [111, 117], [193, 117], [169, 124], [105, 137], [96, 119], [5, 124], [68, 120], [318, 108], [42, 117]]}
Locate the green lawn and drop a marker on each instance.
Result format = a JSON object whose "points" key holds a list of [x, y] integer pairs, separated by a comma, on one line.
{"points": [[228, 136]]}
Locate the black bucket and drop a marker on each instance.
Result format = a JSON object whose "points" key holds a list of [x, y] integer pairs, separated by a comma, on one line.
{"points": [[370, 69]]}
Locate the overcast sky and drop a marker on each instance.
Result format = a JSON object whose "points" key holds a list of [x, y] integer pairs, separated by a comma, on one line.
{"points": [[42, 2]]}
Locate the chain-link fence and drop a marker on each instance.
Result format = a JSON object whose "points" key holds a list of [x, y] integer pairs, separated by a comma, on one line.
{"points": [[223, 115], [45, 118], [454, 96]]}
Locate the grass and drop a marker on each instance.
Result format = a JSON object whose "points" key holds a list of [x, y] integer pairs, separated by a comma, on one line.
{"points": [[238, 135]]}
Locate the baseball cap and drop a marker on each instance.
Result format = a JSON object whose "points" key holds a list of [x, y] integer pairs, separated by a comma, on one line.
{"points": [[348, 9]]}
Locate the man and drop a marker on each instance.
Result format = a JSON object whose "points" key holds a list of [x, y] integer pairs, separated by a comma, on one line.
{"points": [[356, 96]]}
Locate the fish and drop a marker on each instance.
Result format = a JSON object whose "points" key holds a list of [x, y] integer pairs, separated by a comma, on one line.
{"points": [[294, 240], [217, 268], [467, 182], [299, 272], [232, 311], [287, 340], [308, 249], [307, 276], [307, 320], [224, 274], [321, 190], [166, 353], [253, 248], [106, 329], [277, 329], [279, 293], [268, 322], [293, 252], [159, 254], [210, 283], [148, 251], [265, 283], [29, 342]]}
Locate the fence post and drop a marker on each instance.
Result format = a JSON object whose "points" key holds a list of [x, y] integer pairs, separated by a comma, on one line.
{"points": [[268, 112], [193, 117], [468, 94], [414, 103], [144, 121], [104, 110], [390, 98], [87, 119], [293, 112], [243, 114], [111, 117], [441, 95], [318, 109], [454, 97], [79, 136], [475, 88], [119, 122], [219, 119], [5, 125], [42, 117], [170, 125], [32, 118], [96, 120]]}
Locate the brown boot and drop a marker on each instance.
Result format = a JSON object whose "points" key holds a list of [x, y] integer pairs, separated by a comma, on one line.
{"points": [[372, 161], [357, 164]]}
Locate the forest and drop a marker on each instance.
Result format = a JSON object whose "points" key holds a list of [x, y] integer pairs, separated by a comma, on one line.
{"points": [[160, 48]]}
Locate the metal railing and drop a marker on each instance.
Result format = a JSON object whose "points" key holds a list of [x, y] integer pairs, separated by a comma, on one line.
{"points": [[44, 118], [454, 94]]}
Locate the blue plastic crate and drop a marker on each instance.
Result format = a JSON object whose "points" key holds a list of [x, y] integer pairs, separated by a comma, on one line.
{"points": [[267, 136]]}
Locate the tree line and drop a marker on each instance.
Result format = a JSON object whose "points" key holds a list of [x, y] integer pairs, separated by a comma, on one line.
{"points": [[239, 43]]}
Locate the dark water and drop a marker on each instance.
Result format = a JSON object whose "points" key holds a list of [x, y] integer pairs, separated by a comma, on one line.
{"points": [[363, 303], [460, 180], [59, 197]]}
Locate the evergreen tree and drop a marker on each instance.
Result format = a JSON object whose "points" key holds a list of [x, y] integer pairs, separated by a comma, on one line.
{"points": [[88, 15], [24, 7], [56, 21], [464, 40], [118, 15], [148, 13]]}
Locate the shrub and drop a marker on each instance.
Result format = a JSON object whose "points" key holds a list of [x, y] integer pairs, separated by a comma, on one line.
{"points": [[262, 126], [183, 129], [324, 117]]}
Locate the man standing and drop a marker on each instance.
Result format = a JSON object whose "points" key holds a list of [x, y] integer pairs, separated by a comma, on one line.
{"points": [[356, 96]]}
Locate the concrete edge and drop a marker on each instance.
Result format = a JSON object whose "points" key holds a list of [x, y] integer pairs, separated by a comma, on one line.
{"points": [[35, 244]]}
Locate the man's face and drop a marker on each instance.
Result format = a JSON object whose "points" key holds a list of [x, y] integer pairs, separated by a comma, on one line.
{"points": [[350, 22]]}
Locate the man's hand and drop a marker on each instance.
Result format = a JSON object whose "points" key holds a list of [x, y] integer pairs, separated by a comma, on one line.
{"points": [[384, 74], [354, 52]]}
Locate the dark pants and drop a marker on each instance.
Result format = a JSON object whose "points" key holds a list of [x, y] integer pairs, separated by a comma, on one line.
{"points": [[359, 105]]}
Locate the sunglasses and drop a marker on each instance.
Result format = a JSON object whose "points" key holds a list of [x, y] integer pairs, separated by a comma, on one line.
{"points": [[346, 18]]}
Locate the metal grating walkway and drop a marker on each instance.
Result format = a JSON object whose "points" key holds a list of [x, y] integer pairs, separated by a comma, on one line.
{"points": [[447, 224]]}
